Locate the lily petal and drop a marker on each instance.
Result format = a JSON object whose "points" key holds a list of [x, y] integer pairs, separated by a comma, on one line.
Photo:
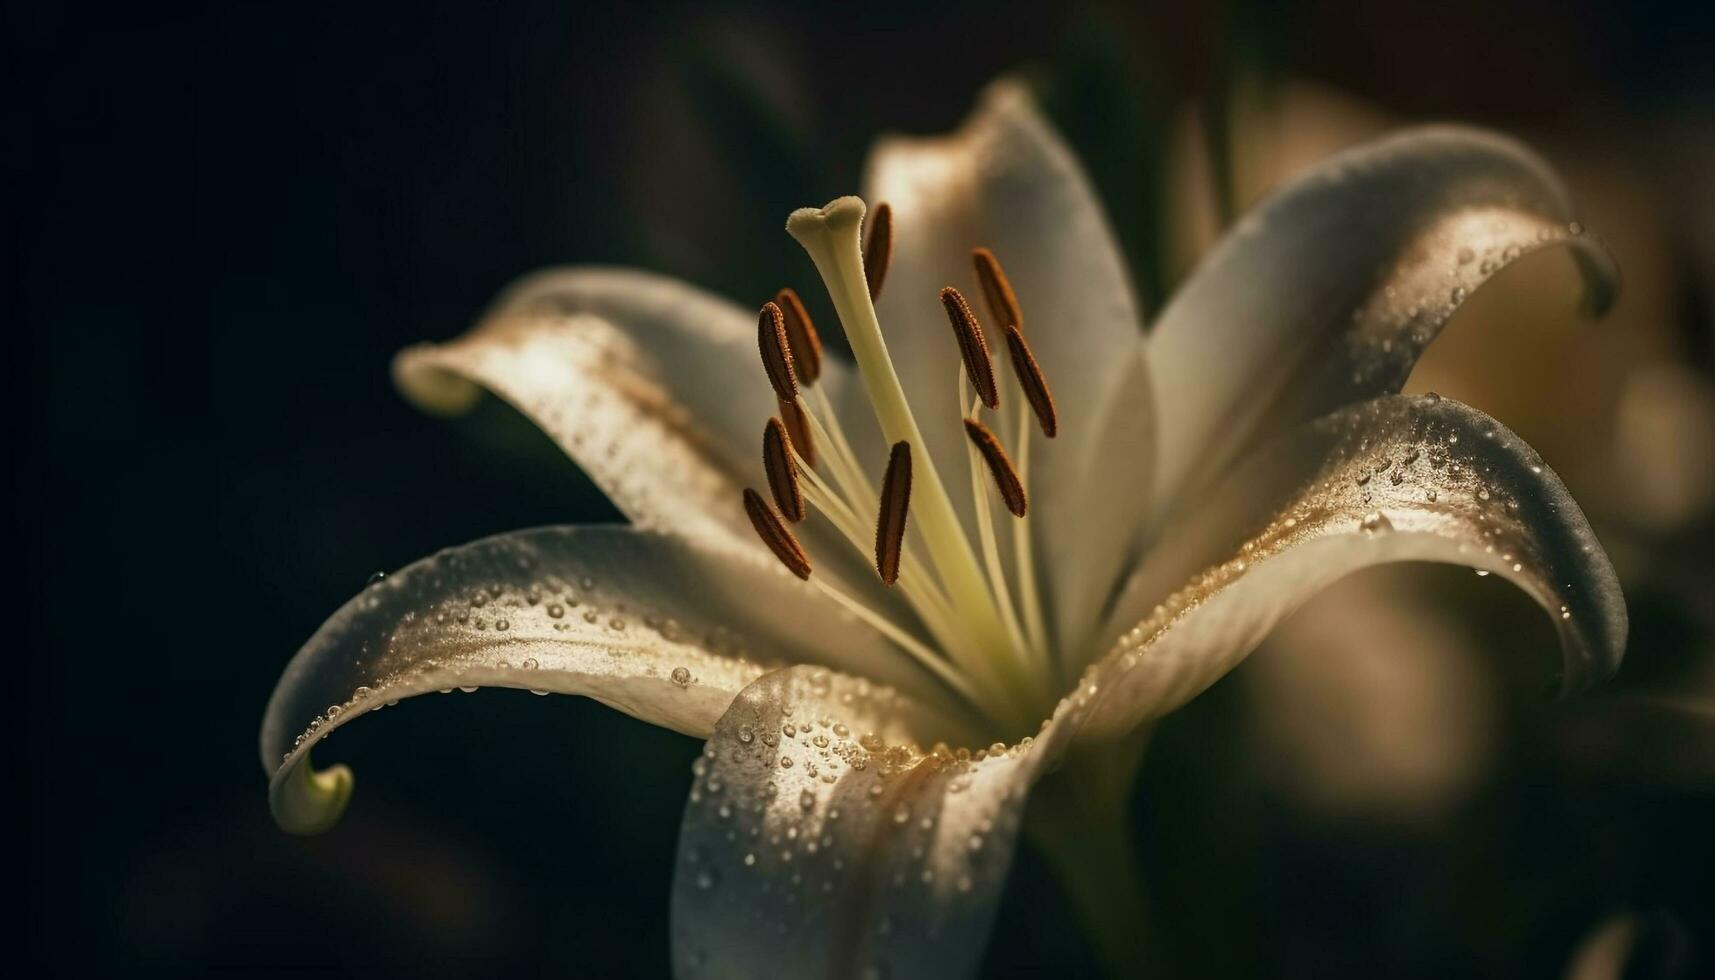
{"points": [[1394, 479], [617, 367], [819, 840], [653, 387], [1005, 180], [646, 622], [1326, 294]]}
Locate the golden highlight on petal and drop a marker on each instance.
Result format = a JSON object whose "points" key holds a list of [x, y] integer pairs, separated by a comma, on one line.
{"points": [[895, 504], [878, 248], [802, 338], [798, 428], [775, 534], [782, 474], [1031, 379], [1000, 465], [776, 352], [997, 289], [973, 348]]}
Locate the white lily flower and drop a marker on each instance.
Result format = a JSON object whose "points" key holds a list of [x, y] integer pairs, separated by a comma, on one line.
{"points": [[870, 746]]}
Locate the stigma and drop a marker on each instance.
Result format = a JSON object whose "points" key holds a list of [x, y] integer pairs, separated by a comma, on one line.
{"points": [[973, 623]]}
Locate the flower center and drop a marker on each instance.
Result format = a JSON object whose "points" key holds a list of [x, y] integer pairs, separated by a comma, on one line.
{"points": [[986, 633]]}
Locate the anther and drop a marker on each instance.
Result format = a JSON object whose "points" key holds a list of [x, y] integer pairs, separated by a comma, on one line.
{"points": [[774, 533], [878, 248], [776, 352], [782, 474], [801, 336], [997, 289], [1005, 477], [798, 428], [972, 347], [1030, 378], [895, 504]]}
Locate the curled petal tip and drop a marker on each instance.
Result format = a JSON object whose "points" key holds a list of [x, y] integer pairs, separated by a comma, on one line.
{"points": [[306, 801], [1601, 275], [429, 387]]}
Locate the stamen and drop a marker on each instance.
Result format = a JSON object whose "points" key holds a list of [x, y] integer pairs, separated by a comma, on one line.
{"points": [[1005, 477], [798, 428], [973, 348], [774, 533], [895, 504], [831, 236], [782, 474], [878, 248], [805, 342], [997, 289], [1030, 378], [1029, 596], [776, 352]]}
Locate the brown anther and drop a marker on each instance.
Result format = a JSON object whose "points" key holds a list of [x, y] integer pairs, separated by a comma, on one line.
{"points": [[973, 348], [782, 472], [774, 533], [776, 351], [895, 504], [798, 428], [878, 248], [997, 289], [801, 335], [1030, 378], [1005, 477]]}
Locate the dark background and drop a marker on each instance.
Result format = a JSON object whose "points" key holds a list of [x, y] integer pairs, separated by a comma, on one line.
{"points": [[227, 218]]}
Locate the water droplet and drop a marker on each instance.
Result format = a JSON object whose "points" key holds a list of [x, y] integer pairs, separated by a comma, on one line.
{"points": [[746, 735], [682, 677], [1482, 573], [901, 814], [374, 577], [501, 624], [807, 800], [555, 610], [1375, 523]]}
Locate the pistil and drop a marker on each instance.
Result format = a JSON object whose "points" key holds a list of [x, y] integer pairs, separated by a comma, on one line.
{"points": [[831, 237]]}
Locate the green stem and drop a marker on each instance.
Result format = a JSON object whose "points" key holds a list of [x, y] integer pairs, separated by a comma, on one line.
{"points": [[1080, 819]]}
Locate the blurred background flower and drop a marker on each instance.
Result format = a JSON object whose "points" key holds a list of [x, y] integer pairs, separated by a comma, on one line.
{"points": [[231, 217]]}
